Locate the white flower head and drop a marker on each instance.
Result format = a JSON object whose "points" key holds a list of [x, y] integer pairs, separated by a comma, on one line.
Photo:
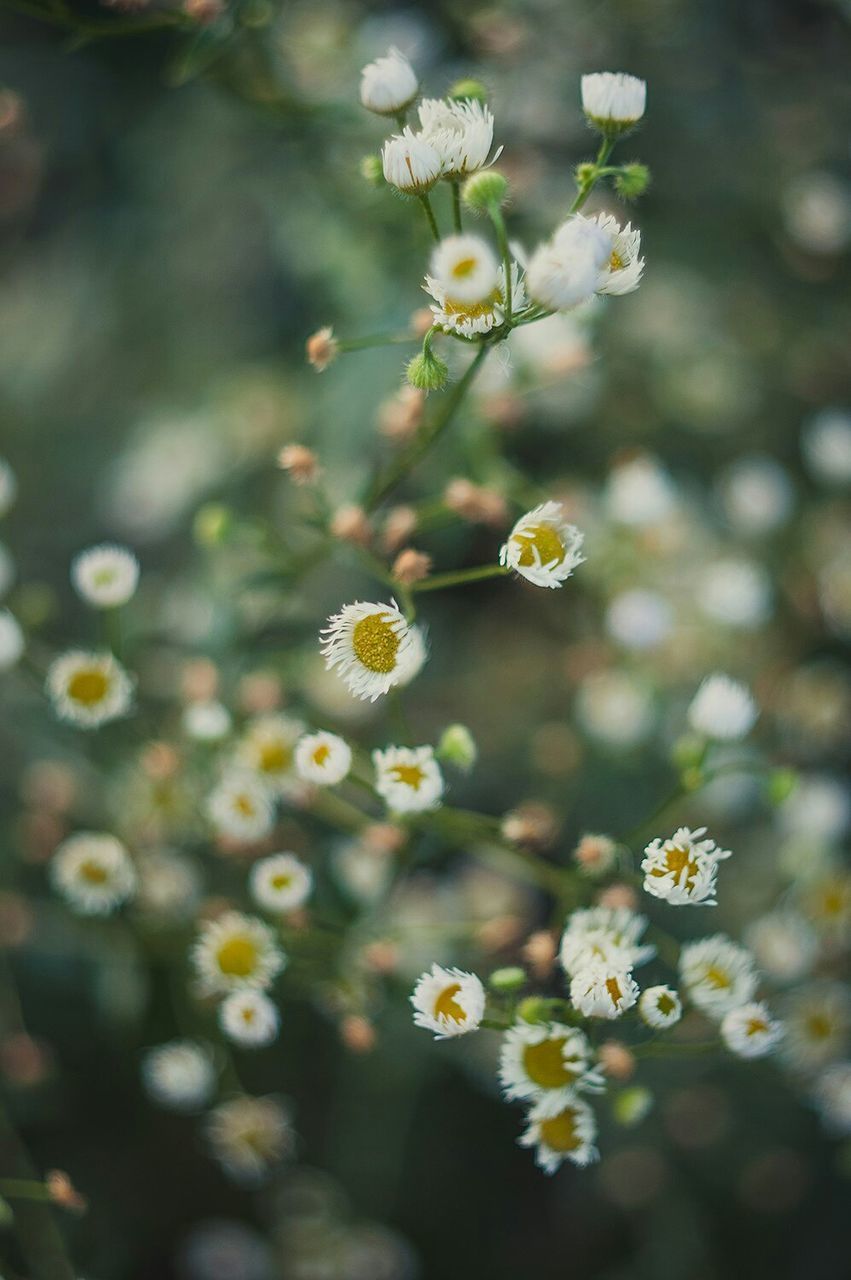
{"points": [[608, 935], [566, 270], [613, 99], [89, 689], [561, 1127], [817, 1023], [461, 132], [471, 318], [249, 1018], [722, 709], [408, 778], [236, 951], [179, 1075], [250, 1136], [448, 1002], [543, 547], [280, 883], [410, 163], [717, 975], [603, 990], [826, 445], [105, 576], [8, 487], [660, 1007], [415, 659], [206, 721], [538, 1058], [322, 758], [465, 268], [750, 1031], [241, 807], [784, 944], [623, 271], [683, 869], [370, 646], [93, 872], [12, 641], [267, 749], [389, 84], [639, 493]]}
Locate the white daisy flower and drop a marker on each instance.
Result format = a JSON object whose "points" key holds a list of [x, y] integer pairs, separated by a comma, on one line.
{"points": [[623, 271], [603, 990], [408, 778], [543, 547], [608, 935], [415, 658], [280, 883], [105, 576], [639, 493], [613, 100], [89, 689], [474, 318], [267, 748], [249, 1018], [241, 808], [722, 709], [537, 1058], [660, 1007], [561, 1128], [389, 84], [684, 868], [370, 646], [179, 1075], [817, 1023], [323, 758], [566, 269], [448, 1002], [249, 1136], [460, 132], [717, 975], [12, 643], [465, 268], [236, 951], [93, 872], [8, 487], [410, 163], [784, 944], [750, 1031], [206, 721]]}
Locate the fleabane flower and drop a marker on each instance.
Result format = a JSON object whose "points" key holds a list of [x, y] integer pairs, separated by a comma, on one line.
{"points": [[603, 990], [105, 576], [448, 1002], [280, 883], [750, 1031], [236, 951], [461, 132], [722, 709], [249, 1018], [537, 1058], [608, 935], [371, 647], [241, 807], [465, 268], [322, 758], [717, 975], [817, 1022], [566, 270], [623, 271], [408, 778], [89, 689], [471, 318], [249, 1136], [410, 163], [389, 84], [660, 1007], [684, 868], [543, 547], [179, 1075], [561, 1127], [612, 100], [93, 872], [267, 748]]}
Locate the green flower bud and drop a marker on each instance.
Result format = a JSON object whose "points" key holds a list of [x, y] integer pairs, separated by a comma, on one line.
{"points": [[427, 372], [688, 751], [372, 170], [212, 524], [780, 784], [584, 173], [693, 779], [509, 979], [632, 181], [631, 1106], [483, 190], [468, 89], [457, 746], [534, 1009]]}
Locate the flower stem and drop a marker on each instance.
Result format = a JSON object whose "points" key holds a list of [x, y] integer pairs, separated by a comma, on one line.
{"points": [[429, 213], [456, 206], [606, 148], [502, 239], [441, 580]]}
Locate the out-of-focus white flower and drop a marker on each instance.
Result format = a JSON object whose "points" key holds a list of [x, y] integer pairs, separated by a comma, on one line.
{"points": [[236, 951], [817, 1024], [832, 1095], [750, 1031], [736, 592], [323, 758], [722, 709], [280, 883], [623, 271], [543, 547], [410, 163], [8, 487], [639, 619], [603, 990], [717, 975], [448, 1002], [616, 708], [93, 872], [389, 84], [608, 935], [370, 646], [465, 268], [12, 641], [408, 778], [818, 808], [537, 1058], [826, 902], [660, 1007], [826, 445], [561, 1128], [784, 945], [461, 132], [757, 495], [249, 1018], [566, 270], [684, 868], [89, 689], [613, 100], [240, 807], [267, 748], [179, 1075], [105, 576], [639, 493], [595, 855], [169, 886], [206, 721], [250, 1136], [474, 318], [817, 212]]}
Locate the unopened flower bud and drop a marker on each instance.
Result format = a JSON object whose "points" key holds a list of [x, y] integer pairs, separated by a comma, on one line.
{"points": [[780, 784], [531, 823], [540, 953], [381, 956], [596, 855], [212, 524], [631, 1106], [384, 837], [372, 170], [398, 527], [484, 190], [411, 566], [399, 418], [350, 523], [468, 89], [688, 751], [457, 746], [63, 1192], [322, 348], [618, 895], [534, 1009], [299, 462], [632, 181], [511, 978], [474, 503], [358, 1034], [616, 1060], [427, 371]]}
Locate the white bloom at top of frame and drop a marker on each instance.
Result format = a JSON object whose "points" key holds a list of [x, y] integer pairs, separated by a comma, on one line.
{"points": [[684, 868], [543, 547], [323, 758], [717, 975], [89, 689], [8, 487], [465, 268], [408, 778], [179, 1075], [12, 641], [389, 84], [105, 576], [613, 98], [639, 493], [566, 269], [623, 270], [826, 446], [448, 1002], [371, 647], [461, 132], [410, 163], [722, 709], [93, 872], [639, 619]]}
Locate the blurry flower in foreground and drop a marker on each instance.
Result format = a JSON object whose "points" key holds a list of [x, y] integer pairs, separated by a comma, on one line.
{"points": [[389, 84], [105, 576], [757, 495], [236, 951], [460, 132], [639, 619], [281, 883], [179, 1075], [169, 886], [561, 1129], [206, 721], [603, 990], [639, 492], [683, 869], [623, 271], [12, 642], [613, 100], [249, 1136], [300, 463], [660, 1007], [93, 872], [722, 709], [833, 1097], [826, 445], [595, 855], [240, 807], [322, 348], [608, 935], [565, 270], [736, 592], [408, 778], [89, 689], [543, 546], [370, 646], [448, 1002], [537, 1058], [750, 1031], [410, 163], [8, 487], [717, 975], [249, 1018], [465, 268], [323, 758], [457, 747], [615, 707]]}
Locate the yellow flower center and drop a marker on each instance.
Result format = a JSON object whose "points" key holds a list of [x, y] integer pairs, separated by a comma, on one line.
{"points": [[665, 1004], [93, 873], [375, 643], [681, 863], [819, 1026], [244, 805], [411, 775], [446, 1006], [248, 1015], [237, 957], [275, 757], [544, 1064], [281, 880], [717, 978], [614, 989], [473, 310], [464, 267], [541, 538], [104, 577], [88, 687], [321, 754], [559, 1132], [616, 262], [755, 1027]]}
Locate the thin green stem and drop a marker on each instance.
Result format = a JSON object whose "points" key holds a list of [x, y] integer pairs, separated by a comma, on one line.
{"points": [[456, 206], [606, 148], [502, 239], [375, 340], [429, 213], [441, 580]]}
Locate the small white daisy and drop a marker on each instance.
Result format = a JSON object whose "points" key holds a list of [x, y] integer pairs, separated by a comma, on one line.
{"points": [[105, 576], [206, 721], [717, 975], [12, 641], [236, 951], [660, 1007], [561, 1128], [537, 1058], [461, 132], [608, 935], [241, 808], [323, 758], [750, 1031], [722, 709], [389, 84], [249, 1018], [280, 883], [613, 100], [93, 872], [179, 1075], [410, 163], [89, 689], [267, 748], [448, 1002], [623, 271], [684, 868], [370, 646], [566, 269], [472, 318], [249, 1136], [465, 268], [543, 547], [408, 778], [603, 990]]}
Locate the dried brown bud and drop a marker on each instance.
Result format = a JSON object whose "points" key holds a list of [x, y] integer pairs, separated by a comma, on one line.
{"points": [[411, 566], [62, 1191], [322, 349], [300, 463], [384, 837], [358, 1034], [199, 680], [350, 523], [619, 895], [475, 503], [399, 417], [381, 956], [539, 953], [531, 823], [398, 527], [259, 692], [616, 1060], [595, 854]]}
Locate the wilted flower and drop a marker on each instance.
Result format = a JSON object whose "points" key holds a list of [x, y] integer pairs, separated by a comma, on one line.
{"points": [[448, 1002], [543, 546]]}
